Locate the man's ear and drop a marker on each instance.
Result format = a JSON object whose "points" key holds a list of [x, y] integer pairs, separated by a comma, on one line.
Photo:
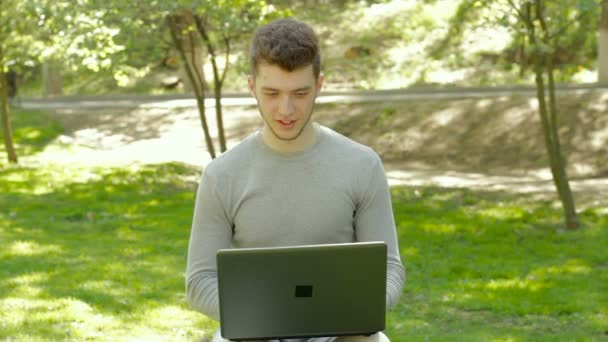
{"points": [[320, 80], [251, 84]]}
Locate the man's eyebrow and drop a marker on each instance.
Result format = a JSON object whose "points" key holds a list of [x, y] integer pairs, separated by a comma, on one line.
{"points": [[303, 89], [306, 88]]}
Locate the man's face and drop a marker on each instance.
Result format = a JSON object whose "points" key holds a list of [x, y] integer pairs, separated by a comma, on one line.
{"points": [[285, 99]]}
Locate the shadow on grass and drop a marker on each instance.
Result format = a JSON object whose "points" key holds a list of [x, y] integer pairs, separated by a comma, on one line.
{"points": [[115, 242]]}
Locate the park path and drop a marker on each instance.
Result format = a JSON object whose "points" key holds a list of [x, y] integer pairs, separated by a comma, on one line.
{"points": [[123, 131]]}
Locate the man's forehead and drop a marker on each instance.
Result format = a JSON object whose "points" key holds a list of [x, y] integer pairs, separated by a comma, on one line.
{"points": [[268, 71]]}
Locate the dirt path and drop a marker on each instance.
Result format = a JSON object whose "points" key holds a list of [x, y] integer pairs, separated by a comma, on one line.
{"points": [[169, 131]]}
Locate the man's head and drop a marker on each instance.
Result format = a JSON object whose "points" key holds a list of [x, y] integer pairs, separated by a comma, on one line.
{"points": [[287, 43], [285, 80]]}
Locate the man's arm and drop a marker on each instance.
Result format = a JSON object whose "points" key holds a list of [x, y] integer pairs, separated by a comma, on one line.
{"points": [[211, 231], [374, 221]]}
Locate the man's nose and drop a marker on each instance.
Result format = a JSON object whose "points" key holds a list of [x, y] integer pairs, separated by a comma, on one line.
{"points": [[286, 107]]}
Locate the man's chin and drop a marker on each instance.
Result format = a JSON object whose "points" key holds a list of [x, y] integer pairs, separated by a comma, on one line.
{"points": [[286, 136]]}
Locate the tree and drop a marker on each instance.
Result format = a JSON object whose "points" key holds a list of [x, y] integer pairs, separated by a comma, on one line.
{"points": [[187, 42], [36, 31], [548, 35], [603, 45], [543, 23], [577, 47], [7, 30], [5, 115], [220, 25], [223, 24]]}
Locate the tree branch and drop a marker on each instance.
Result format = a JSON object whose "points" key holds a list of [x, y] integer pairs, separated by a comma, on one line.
{"points": [[516, 8], [227, 44]]}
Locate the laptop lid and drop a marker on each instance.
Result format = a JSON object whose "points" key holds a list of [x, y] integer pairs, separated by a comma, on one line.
{"points": [[302, 291]]}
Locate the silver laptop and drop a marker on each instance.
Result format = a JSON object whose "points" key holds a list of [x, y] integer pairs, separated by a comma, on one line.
{"points": [[302, 291]]}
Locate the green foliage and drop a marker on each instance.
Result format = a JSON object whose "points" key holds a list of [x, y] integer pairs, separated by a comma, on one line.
{"points": [[366, 44], [569, 24], [32, 131], [73, 34], [377, 45], [228, 26]]}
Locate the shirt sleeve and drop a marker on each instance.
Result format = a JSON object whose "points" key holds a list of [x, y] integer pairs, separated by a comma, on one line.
{"points": [[211, 231], [374, 221]]}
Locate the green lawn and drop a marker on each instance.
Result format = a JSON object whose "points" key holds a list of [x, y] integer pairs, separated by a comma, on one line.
{"points": [[99, 254], [495, 267]]}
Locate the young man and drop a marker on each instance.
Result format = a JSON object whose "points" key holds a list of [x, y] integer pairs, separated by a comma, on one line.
{"points": [[293, 182]]}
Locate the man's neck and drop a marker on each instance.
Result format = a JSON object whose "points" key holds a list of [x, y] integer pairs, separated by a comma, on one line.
{"points": [[307, 139]]}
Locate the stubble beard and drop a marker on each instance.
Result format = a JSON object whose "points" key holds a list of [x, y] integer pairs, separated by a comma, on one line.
{"points": [[276, 135]]}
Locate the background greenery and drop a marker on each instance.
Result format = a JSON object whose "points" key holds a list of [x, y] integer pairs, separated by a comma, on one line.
{"points": [[374, 44]]}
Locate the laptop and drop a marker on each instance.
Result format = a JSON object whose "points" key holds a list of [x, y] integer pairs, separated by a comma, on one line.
{"points": [[302, 291]]}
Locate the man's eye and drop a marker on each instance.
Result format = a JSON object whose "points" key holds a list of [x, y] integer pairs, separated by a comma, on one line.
{"points": [[271, 94], [301, 93]]}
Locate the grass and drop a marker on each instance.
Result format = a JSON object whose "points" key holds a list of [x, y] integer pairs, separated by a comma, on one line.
{"points": [[96, 254], [32, 131], [99, 254], [492, 266]]}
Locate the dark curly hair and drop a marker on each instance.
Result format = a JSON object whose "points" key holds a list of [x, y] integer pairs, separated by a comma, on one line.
{"points": [[288, 43]]}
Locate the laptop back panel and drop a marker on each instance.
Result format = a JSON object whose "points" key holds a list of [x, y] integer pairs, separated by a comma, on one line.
{"points": [[306, 291]]}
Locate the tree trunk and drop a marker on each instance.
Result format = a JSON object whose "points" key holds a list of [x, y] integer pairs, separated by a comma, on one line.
{"points": [[602, 56], [217, 90], [560, 175], [51, 77], [6, 118], [555, 160], [217, 81], [187, 42], [543, 63]]}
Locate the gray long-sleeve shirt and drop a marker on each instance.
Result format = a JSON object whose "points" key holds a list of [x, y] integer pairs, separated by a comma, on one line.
{"points": [[252, 196]]}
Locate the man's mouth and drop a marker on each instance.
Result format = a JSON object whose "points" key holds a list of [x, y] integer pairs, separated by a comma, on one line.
{"points": [[286, 123]]}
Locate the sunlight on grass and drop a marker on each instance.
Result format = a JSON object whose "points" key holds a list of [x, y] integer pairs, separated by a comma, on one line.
{"points": [[600, 319], [57, 318], [25, 289], [516, 283], [573, 266], [26, 279], [30, 133], [502, 212], [30, 248], [440, 228], [107, 287], [409, 252], [128, 234]]}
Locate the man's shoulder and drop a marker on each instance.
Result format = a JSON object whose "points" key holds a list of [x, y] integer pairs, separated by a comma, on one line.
{"points": [[354, 150], [235, 158]]}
